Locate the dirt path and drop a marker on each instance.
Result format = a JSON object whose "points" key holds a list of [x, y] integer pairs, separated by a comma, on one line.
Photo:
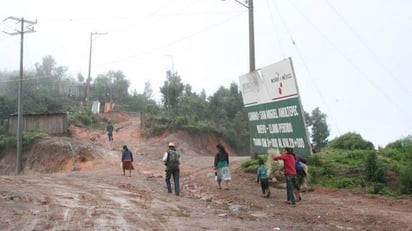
{"points": [[99, 197]]}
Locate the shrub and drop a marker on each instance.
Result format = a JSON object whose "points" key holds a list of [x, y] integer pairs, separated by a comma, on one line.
{"points": [[4, 127], [7, 141], [371, 167], [86, 116], [343, 182], [30, 137], [250, 165], [406, 180], [377, 188], [180, 121], [351, 141], [314, 160]]}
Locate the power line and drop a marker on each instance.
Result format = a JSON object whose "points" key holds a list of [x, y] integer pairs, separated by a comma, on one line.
{"points": [[364, 44], [274, 26], [307, 69], [172, 43], [348, 60]]}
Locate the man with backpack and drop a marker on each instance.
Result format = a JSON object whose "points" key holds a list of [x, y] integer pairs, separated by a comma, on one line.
{"points": [[171, 159], [300, 174]]}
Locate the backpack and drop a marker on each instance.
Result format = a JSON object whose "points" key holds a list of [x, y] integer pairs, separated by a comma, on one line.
{"points": [[172, 160]]}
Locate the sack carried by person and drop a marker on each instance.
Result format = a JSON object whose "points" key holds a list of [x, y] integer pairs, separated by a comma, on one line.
{"points": [[299, 167]]}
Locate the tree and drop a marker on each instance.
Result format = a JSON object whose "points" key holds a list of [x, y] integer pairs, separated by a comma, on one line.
{"points": [[49, 71], [111, 87], [80, 77], [319, 127], [148, 91], [120, 85], [225, 104], [102, 88], [172, 91], [193, 107], [226, 111], [371, 167], [47, 89]]}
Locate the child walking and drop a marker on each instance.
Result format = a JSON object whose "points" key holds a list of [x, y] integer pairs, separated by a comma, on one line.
{"points": [[263, 178]]}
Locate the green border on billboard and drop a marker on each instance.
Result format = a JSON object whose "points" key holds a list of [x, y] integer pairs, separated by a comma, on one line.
{"points": [[272, 102], [278, 125]]}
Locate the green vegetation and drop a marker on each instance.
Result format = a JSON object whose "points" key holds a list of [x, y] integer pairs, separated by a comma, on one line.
{"points": [[29, 137], [316, 121], [85, 116], [351, 141], [348, 161], [387, 171]]}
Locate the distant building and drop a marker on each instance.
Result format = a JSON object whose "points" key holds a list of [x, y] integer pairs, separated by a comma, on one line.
{"points": [[50, 123]]}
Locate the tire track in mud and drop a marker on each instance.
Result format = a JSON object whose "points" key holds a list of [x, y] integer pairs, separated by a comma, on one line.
{"points": [[78, 202]]}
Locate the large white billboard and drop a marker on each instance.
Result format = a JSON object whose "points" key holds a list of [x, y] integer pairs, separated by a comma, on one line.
{"points": [[276, 117]]}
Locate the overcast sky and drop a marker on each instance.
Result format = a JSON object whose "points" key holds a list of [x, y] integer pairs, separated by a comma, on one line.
{"points": [[352, 58]]}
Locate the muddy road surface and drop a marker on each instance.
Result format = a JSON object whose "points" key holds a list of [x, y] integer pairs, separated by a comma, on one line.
{"points": [[96, 195]]}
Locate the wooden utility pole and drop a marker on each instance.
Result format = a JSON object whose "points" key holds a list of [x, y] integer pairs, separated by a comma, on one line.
{"points": [[28, 29]]}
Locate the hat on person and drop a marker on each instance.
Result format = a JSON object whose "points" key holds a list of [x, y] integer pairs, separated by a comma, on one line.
{"points": [[171, 144]]}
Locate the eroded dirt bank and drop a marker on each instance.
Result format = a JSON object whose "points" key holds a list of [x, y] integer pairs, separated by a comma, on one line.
{"points": [[98, 197]]}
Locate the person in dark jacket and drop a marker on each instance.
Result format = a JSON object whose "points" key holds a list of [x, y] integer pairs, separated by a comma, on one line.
{"points": [[127, 160], [109, 130], [221, 165], [172, 159]]}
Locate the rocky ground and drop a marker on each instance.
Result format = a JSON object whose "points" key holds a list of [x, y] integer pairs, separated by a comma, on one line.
{"points": [[76, 183]]}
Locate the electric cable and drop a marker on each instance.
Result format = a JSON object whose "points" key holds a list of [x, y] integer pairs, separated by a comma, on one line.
{"points": [[364, 44], [307, 69], [356, 67]]}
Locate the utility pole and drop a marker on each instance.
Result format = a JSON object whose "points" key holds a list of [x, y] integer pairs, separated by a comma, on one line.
{"points": [[28, 29], [89, 78], [252, 67]]}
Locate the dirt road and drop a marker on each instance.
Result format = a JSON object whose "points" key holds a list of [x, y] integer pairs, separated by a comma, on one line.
{"points": [[99, 197]]}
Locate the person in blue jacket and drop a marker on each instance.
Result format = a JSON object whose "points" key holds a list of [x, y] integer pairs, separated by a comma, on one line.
{"points": [[262, 177]]}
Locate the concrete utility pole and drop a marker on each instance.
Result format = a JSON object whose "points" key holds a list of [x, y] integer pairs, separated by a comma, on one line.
{"points": [[252, 67], [29, 28], [89, 78]]}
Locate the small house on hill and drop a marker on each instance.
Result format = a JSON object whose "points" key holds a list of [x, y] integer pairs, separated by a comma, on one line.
{"points": [[50, 123]]}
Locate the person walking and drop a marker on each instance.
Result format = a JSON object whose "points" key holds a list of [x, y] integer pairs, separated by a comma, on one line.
{"points": [[301, 174], [127, 160], [262, 177], [172, 159], [221, 165], [109, 130], [290, 173]]}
